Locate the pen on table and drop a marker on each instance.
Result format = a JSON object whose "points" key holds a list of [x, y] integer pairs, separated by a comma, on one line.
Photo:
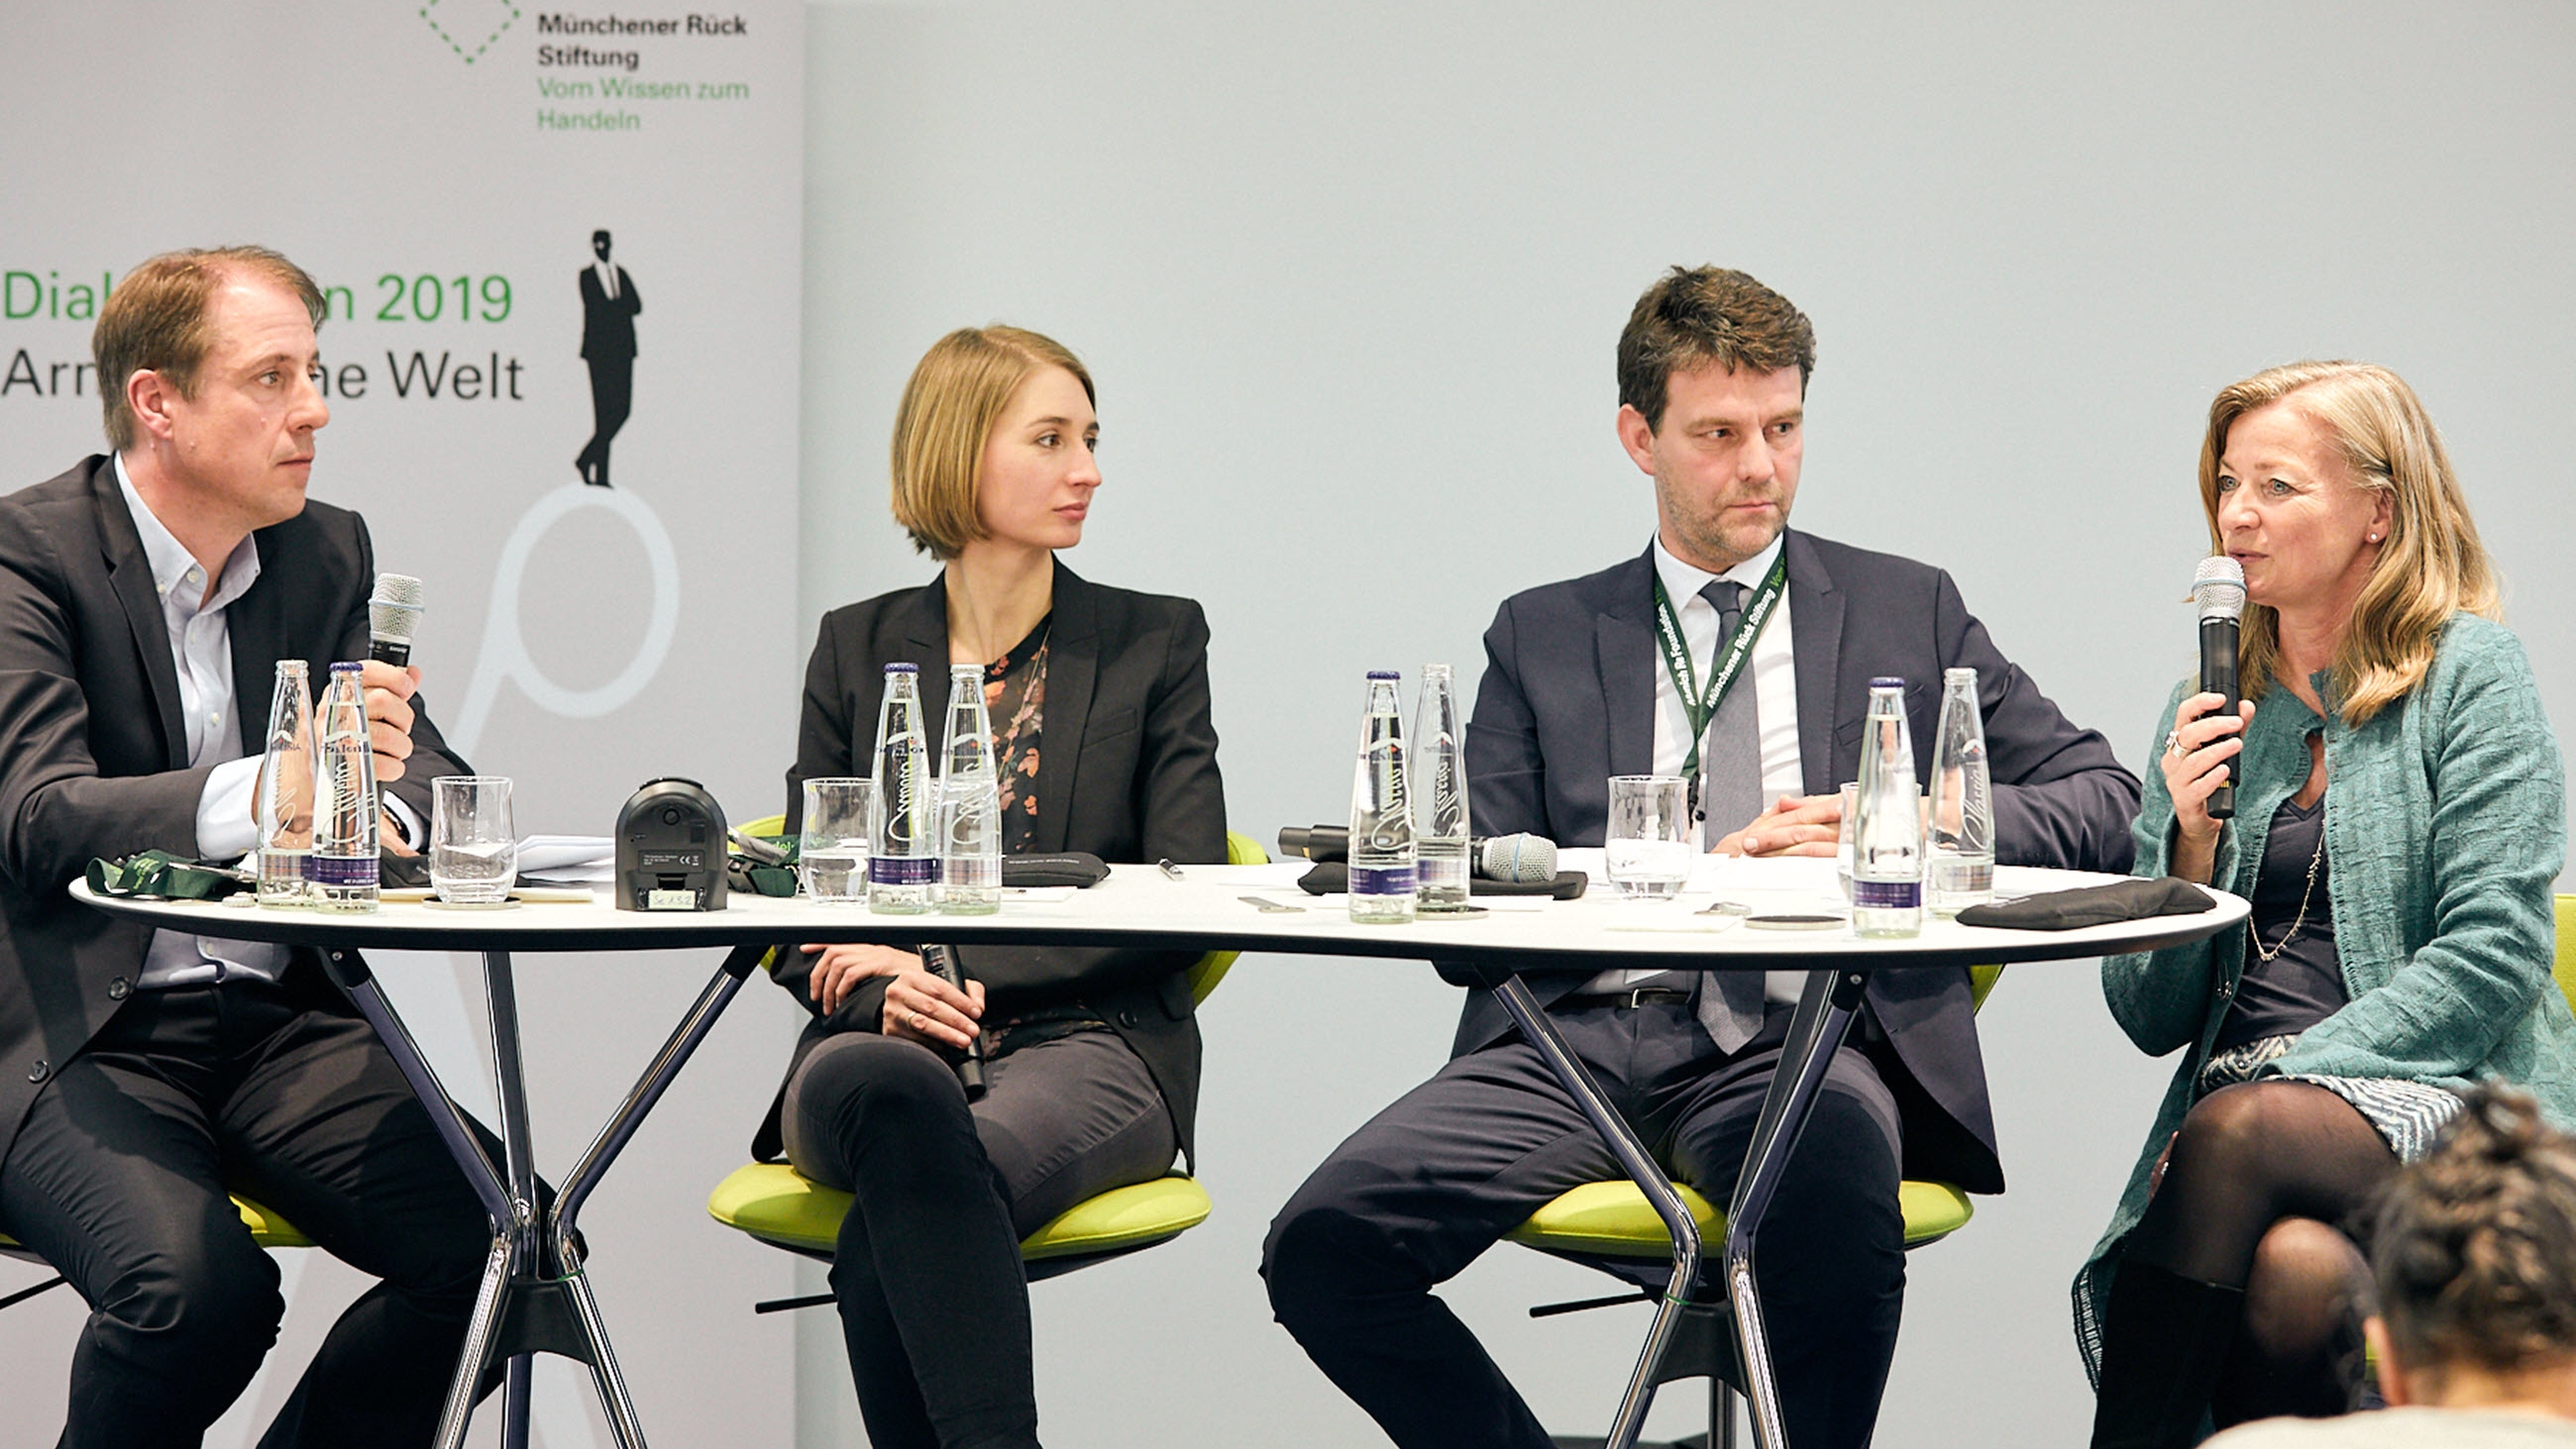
{"points": [[1166, 867]]}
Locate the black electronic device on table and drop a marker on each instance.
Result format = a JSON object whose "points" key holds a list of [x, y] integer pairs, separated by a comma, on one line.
{"points": [[671, 848]]}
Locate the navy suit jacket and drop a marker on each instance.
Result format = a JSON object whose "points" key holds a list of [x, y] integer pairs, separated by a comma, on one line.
{"points": [[1568, 700]]}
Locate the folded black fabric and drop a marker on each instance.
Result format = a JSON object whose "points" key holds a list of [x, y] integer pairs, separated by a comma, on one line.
{"points": [[1068, 868], [2128, 900], [1332, 876]]}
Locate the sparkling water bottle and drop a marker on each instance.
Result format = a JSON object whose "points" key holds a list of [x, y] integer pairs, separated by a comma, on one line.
{"points": [[970, 802], [285, 791], [1382, 856], [1887, 848], [1440, 817], [1962, 869], [904, 857], [343, 866]]}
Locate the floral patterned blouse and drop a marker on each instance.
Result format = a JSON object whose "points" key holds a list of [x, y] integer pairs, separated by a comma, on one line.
{"points": [[1015, 699]]}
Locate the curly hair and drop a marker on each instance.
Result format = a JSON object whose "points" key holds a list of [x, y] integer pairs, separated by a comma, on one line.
{"points": [[2474, 1247]]}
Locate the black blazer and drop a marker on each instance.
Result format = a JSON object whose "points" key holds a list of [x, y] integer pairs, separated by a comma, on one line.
{"points": [[1128, 773], [608, 323], [93, 758], [1568, 700]]}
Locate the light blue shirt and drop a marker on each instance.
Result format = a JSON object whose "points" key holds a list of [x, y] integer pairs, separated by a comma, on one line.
{"points": [[201, 646]]}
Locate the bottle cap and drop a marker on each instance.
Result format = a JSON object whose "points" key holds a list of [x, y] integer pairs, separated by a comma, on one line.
{"points": [[1384, 674], [1888, 681], [903, 669], [347, 667]]}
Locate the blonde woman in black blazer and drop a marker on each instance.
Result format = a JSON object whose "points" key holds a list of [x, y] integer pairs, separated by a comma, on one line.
{"points": [[1100, 711]]}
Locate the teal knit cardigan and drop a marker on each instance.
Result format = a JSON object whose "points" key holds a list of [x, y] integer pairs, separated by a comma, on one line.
{"points": [[2446, 823]]}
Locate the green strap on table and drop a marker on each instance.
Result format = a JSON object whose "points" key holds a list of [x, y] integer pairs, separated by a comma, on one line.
{"points": [[159, 875]]}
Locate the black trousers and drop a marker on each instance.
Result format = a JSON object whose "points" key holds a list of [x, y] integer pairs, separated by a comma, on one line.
{"points": [[612, 397], [1415, 1195], [119, 1179], [934, 1306]]}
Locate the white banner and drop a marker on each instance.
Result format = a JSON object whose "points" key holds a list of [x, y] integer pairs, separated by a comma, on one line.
{"points": [[562, 255]]}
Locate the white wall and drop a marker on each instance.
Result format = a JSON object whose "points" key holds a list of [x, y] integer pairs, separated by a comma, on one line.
{"points": [[1350, 278]]}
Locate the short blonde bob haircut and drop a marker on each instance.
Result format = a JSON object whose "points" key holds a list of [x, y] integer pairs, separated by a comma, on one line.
{"points": [[2430, 567], [950, 407]]}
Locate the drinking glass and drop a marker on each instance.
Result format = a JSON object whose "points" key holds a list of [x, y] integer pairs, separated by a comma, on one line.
{"points": [[1648, 845], [832, 852], [473, 845]]}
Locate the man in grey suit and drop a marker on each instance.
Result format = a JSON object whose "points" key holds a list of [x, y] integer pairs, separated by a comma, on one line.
{"points": [[145, 596], [1615, 673]]}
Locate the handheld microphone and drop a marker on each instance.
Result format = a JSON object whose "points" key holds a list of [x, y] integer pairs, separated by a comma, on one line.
{"points": [[391, 616], [1522, 858], [941, 961], [2218, 589]]}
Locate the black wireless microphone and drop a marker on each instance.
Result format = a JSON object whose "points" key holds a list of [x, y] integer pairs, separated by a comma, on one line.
{"points": [[391, 616], [941, 961], [2218, 588]]}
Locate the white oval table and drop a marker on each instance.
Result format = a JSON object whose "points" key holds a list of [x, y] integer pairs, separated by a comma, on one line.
{"points": [[534, 1297]]}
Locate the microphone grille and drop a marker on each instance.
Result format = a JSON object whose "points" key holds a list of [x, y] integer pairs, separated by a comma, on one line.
{"points": [[1526, 859], [2218, 588], [395, 608]]}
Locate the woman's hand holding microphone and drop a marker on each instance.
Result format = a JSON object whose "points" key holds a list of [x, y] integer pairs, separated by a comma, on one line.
{"points": [[2195, 757]]}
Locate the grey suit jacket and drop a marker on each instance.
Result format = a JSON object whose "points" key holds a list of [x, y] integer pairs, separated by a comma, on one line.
{"points": [[93, 758], [1128, 774], [1568, 700]]}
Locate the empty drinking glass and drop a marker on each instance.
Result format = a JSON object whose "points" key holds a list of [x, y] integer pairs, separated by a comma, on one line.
{"points": [[832, 851], [1648, 845], [473, 845]]}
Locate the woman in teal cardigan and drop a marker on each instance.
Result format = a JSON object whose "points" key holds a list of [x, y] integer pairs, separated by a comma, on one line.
{"points": [[2400, 818]]}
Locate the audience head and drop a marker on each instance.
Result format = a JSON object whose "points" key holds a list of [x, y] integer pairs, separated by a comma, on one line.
{"points": [[2424, 562], [158, 320], [1693, 317], [959, 392], [2474, 1249]]}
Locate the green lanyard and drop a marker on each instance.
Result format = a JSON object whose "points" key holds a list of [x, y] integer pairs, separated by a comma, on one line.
{"points": [[1732, 652]]}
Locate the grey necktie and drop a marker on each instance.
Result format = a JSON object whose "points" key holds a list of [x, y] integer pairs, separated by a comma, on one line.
{"points": [[1730, 792]]}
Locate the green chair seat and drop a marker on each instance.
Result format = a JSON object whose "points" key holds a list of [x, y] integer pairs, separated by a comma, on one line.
{"points": [[774, 1203], [1614, 1220]]}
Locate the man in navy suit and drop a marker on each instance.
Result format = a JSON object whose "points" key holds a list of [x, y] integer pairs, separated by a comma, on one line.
{"points": [[608, 308], [1610, 674]]}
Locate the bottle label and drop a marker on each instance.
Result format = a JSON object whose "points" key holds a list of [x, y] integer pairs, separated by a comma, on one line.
{"points": [[340, 870], [902, 870], [1388, 880], [1887, 895]]}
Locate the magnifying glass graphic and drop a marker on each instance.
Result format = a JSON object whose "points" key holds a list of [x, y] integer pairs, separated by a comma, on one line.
{"points": [[505, 656]]}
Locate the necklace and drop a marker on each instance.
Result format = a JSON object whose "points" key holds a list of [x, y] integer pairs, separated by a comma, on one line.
{"points": [[2314, 861]]}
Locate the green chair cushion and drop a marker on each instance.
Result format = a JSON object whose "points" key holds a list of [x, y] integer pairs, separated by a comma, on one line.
{"points": [[1614, 1220], [776, 1204]]}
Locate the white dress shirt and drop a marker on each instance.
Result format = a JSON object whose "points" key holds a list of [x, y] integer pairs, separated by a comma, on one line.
{"points": [[607, 278], [201, 645], [1774, 682]]}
